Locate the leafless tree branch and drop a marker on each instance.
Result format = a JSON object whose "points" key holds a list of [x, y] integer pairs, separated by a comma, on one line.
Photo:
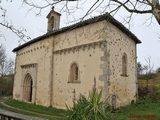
{"points": [[132, 10], [6, 24], [111, 6], [137, 6], [18, 32]]}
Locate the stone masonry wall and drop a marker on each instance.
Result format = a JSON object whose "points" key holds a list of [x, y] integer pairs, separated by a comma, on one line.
{"points": [[97, 49], [40, 54]]}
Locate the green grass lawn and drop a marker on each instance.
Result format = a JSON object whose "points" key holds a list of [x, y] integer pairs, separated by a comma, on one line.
{"points": [[35, 108], [144, 108], [26, 113], [140, 111], [57, 113]]}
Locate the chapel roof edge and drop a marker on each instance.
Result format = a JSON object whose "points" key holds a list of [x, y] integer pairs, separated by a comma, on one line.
{"points": [[105, 16]]}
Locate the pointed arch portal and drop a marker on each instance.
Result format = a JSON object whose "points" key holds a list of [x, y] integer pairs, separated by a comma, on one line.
{"points": [[27, 90]]}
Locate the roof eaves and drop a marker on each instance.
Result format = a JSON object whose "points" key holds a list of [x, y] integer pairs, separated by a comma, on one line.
{"points": [[106, 16], [123, 28]]}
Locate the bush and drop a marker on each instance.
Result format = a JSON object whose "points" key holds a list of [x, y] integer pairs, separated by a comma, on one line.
{"points": [[89, 109], [6, 85], [147, 76]]}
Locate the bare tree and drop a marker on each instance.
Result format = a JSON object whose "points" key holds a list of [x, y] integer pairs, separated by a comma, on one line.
{"points": [[112, 6], [140, 68], [6, 68], [6, 23], [6, 65], [2, 53], [148, 71], [151, 7]]}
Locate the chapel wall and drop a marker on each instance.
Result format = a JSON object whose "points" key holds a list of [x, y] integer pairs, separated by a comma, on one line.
{"points": [[124, 87], [108, 59], [79, 36], [39, 54], [88, 60], [97, 49], [83, 46]]}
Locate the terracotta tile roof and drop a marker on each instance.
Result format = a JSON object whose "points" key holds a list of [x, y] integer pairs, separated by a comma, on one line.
{"points": [[105, 16]]}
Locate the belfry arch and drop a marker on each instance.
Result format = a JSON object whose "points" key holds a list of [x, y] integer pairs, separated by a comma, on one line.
{"points": [[27, 88]]}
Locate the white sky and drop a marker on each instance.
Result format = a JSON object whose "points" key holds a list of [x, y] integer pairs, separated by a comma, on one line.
{"points": [[37, 25]]}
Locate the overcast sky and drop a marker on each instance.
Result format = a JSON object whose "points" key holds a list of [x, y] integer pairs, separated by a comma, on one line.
{"points": [[37, 25]]}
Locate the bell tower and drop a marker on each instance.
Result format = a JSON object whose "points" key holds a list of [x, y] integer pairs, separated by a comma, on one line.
{"points": [[53, 20]]}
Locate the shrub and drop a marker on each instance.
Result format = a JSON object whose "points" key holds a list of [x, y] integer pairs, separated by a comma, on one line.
{"points": [[147, 76], [89, 109], [6, 85]]}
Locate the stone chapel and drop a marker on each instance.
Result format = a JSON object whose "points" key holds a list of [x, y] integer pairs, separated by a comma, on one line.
{"points": [[55, 68]]}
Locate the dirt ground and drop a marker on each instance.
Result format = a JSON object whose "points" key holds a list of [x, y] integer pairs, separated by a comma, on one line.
{"points": [[4, 98]]}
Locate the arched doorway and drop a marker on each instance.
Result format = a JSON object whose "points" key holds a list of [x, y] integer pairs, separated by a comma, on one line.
{"points": [[27, 89]]}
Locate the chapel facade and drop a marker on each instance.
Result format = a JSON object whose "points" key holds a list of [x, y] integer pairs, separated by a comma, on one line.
{"points": [[55, 68]]}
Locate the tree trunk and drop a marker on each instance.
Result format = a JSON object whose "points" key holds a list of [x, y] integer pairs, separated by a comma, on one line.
{"points": [[156, 10]]}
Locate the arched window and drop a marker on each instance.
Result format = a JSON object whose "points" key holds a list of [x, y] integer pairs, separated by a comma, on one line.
{"points": [[52, 23], [124, 65], [27, 88], [74, 73]]}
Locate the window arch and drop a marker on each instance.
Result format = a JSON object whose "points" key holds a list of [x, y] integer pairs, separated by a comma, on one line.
{"points": [[124, 64], [74, 73], [27, 88]]}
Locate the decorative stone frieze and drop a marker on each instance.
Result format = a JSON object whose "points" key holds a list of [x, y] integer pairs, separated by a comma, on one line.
{"points": [[28, 51], [29, 65], [83, 47]]}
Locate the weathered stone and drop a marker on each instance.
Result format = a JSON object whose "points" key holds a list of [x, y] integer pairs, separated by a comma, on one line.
{"points": [[96, 56]]}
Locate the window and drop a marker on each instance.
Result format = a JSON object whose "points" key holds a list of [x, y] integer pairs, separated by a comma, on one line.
{"points": [[124, 65], [74, 73], [52, 22]]}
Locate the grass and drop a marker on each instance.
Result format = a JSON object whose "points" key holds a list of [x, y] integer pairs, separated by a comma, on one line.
{"points": [[26, 113], [146, 107], [36, 108], [33, 108]]}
